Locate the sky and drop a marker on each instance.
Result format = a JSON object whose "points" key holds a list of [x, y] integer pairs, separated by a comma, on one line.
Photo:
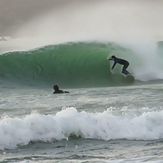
{"points": [[83, 19], [14, 13]]}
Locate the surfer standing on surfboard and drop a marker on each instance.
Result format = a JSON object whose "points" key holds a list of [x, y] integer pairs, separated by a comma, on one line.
{"points": [[122, 62]]}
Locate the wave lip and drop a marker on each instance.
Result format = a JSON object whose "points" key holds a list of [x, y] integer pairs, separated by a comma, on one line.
{"points": [[68, 122]]}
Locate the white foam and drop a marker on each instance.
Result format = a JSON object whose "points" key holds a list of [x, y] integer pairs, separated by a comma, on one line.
{"points": [[104, 125]]}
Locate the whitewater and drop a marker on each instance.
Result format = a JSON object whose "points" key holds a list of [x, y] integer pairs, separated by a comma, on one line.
{"points": [[106, 117], [70, 122], [101, 124]]}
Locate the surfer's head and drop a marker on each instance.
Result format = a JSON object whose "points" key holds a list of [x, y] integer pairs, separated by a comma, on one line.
{"points": [[55, 87], [113, 57]]}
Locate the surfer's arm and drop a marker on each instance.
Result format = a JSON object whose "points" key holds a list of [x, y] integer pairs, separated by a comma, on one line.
{"points": [[113, 65], [110, 59]]}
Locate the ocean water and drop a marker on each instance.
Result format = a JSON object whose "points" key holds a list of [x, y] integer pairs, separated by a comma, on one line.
{"points": [[105, 118], [108, 124]]}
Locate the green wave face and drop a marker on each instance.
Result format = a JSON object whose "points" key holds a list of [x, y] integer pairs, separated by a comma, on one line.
{"points": [[69, 65]]}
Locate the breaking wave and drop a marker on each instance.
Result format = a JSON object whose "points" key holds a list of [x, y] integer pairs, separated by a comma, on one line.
{"points": [[101, 125], [71, 64]]}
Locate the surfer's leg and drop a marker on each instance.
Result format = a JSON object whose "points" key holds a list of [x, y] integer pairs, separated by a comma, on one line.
{"points": [[124, 69]]}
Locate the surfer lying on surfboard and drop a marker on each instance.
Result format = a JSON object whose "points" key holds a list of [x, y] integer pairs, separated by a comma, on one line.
{"points": [[57, 90], [122, 62]]}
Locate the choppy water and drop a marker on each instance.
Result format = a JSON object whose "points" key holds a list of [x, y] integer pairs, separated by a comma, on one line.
{"points": [[109, 124]]}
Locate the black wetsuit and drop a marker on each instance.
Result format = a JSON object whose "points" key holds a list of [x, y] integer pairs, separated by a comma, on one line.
{"points": [[122, 62]]}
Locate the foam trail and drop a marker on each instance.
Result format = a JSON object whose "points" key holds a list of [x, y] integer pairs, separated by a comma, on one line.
{"points": [[104, 125]]}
